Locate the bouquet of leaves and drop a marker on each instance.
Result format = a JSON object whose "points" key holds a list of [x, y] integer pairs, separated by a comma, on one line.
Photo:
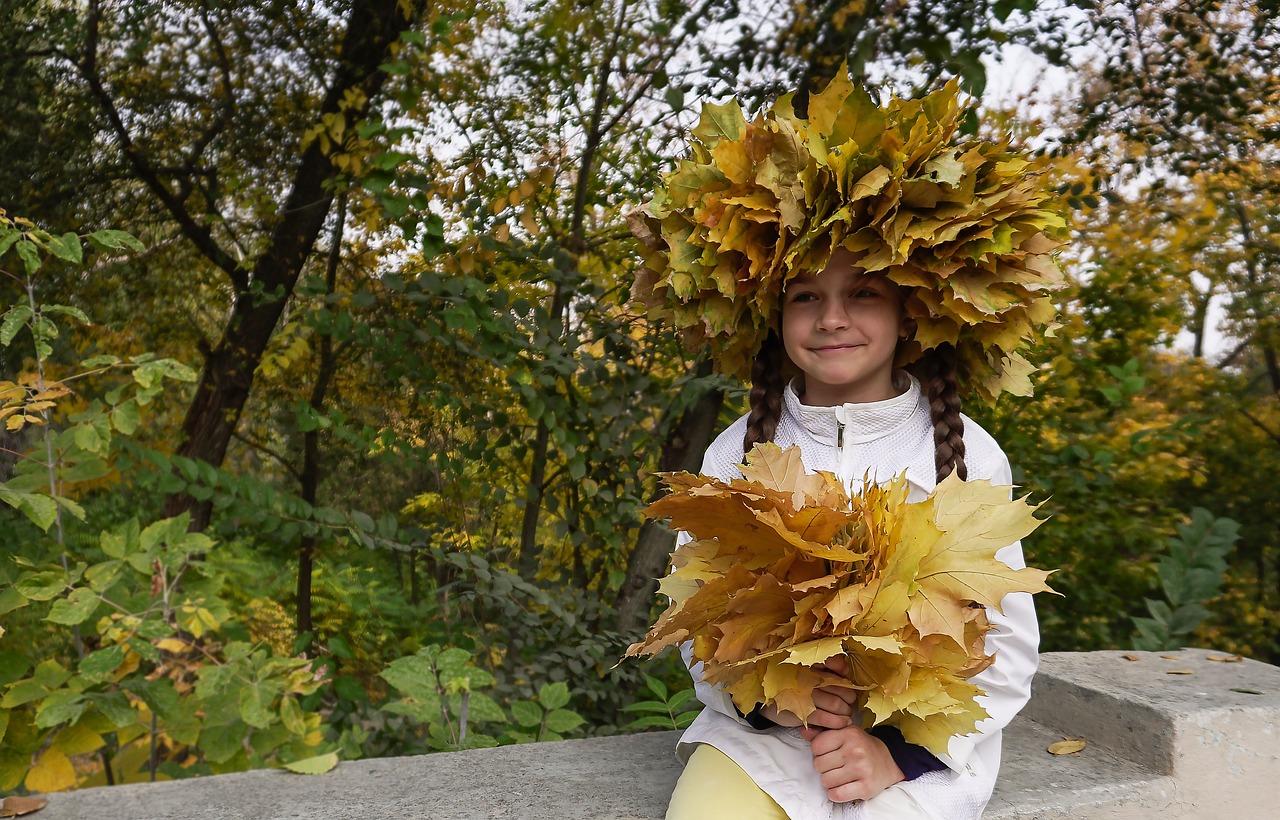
{"points": [[788, 570]]}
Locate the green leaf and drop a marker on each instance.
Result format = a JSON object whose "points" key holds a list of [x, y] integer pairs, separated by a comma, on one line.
{"points": [[412, 676], [553, 695], [314, 765], [42, 586], [656, 686], [349, 688], [101, 577], [114, 241], [526, 713], [651, 722], [563, 720], [23, 692], [12, 667], [11, 599], [15, 318], [51, 673], [255, 706], [76, 608], [29, 256], [40, 509], [291, 716], [66, 248], [484, 708], [426, 712], [221, 743], [8, 236], [125, 417], [115, 707], [61, 706], [98, 666]]}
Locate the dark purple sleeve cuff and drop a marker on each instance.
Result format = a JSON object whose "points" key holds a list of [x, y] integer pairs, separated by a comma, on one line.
{"points": [[913, 760], [756, 720]]}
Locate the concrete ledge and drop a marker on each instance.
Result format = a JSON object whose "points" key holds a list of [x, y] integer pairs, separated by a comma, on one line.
{"points": [[1171, 746]]}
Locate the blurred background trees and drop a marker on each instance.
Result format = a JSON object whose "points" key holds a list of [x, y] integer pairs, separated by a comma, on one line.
{"points": [[388, 240]]}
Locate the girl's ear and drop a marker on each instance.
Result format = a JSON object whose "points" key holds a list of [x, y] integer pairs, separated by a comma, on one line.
{"points": [[907, 329]]}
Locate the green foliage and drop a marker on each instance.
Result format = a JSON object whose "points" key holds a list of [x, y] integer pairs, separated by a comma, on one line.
{"points": [[1190, 574], [150, 683], [668, 710], [440, 689]]}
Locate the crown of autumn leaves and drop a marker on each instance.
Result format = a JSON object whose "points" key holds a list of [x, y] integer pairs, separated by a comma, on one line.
{"points": [[967, 225]]}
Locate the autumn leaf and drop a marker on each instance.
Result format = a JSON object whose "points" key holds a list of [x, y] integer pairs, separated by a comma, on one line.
{"points": [[787, 571], [16, 806], [1068, 746]]}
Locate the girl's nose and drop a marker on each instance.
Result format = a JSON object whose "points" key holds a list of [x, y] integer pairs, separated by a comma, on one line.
{"points": [[833, 316]]}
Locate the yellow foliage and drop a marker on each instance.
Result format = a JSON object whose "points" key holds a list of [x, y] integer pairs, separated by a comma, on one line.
{"points": [[52, 772], [268, 622]]}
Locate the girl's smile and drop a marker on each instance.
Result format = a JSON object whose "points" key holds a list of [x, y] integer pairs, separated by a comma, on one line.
{"points": [[841, 328]]}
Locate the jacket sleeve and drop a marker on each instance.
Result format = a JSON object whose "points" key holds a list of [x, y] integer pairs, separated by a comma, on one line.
{"points": [[1015, 642]]}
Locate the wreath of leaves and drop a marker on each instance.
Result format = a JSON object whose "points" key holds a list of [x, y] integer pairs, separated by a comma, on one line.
{"points": [[968, 225]]}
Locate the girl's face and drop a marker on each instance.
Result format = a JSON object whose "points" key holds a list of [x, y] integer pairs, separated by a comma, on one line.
{"points": [[841, 328]]}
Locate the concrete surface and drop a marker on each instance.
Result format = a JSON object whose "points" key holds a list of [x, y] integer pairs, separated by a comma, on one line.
{"points": [[1182, 747]]}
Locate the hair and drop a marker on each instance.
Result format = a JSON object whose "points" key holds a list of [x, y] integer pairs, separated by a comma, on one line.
{"points": [[938, 372], [767, 384]]}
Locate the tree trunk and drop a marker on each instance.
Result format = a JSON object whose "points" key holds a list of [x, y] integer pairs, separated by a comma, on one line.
{"points": [[310, 478], [227, 377], [530, 555], [682, 451]]}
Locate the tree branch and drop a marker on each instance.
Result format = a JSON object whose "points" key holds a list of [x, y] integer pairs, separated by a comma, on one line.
{"points": [[198, 234]]}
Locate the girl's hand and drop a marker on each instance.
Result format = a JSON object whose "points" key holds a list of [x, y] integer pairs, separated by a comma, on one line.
{"points": [[853, 764], [835, 704]]}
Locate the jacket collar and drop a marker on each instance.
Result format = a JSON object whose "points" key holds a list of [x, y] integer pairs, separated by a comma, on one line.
{"points": [[861, 422]]}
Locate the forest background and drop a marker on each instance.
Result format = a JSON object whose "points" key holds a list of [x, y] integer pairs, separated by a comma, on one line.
{"points": [[328, 419]]}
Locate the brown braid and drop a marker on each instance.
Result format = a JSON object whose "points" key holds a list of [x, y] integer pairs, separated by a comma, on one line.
{"points": [[767, 384], [937, 371]]}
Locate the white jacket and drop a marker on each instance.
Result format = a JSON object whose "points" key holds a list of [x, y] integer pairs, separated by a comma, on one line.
{"points": [[883, 439]]}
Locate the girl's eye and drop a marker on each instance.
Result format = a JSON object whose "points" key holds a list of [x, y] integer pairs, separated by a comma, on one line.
{"points": [[803, 296], [866, 293]]}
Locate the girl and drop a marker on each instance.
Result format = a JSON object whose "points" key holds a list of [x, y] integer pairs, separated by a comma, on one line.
{"points": [[839, 286]]}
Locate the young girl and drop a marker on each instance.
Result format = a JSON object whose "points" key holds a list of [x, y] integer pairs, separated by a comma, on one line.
{"points": [[851, 289]]}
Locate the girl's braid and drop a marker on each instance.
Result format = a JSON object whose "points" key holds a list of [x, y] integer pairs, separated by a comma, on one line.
{"points": [[767, 384], [938, 371]]}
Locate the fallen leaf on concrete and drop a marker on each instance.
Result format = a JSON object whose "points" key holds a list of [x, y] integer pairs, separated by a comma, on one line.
{"points": [[1247, 691], [17, 806], [1170, 657], [314, 765], [1130, 657], [1227, 659], [1069, 746], [1180, 672]]}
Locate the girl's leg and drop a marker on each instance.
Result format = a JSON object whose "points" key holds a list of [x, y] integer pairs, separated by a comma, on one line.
{"points": [[713, 787]]}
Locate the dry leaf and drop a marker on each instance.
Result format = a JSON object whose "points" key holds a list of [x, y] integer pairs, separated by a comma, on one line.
{"points": [[1180, 672], [15, 806], [787, 570], [1130, 657], [1227, 659], [1171, 657], [1071, 745]]}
